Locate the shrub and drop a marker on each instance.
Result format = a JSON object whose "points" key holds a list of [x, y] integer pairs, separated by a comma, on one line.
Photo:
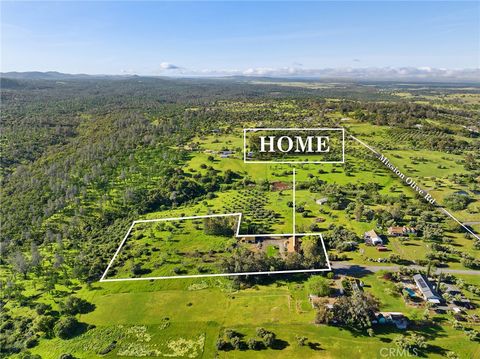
{"points": [[301, 340]]}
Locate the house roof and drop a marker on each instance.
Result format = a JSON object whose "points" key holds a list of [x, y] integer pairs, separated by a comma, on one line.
{"points": [[401, 230], [425, 287], [372, 234], [395, 230]]}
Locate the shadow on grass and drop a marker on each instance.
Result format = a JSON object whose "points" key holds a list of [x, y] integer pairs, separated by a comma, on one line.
{"points": [[315, 346], [279, 344], [354, 270]]}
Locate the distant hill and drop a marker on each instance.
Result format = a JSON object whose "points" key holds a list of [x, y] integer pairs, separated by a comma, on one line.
{"points": [[55, 75]]}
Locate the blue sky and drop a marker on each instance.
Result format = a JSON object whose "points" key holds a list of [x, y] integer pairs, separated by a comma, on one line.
{"points": [[234, 37]]}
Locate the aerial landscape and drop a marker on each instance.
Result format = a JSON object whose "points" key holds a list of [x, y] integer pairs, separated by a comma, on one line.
{"points": [[238, 214]]}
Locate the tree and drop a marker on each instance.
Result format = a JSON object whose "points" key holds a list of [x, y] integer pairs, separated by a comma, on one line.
{"points": [[74, 305], [457, 202], [318, 285], [222, 344], [313, 256], [66, 327], [432, 232], [45, 325], [324, 315], [253, 344], [357, 310], [396, 211], [359, 207], [236, 342], [20, 264], [220, 226], [412, 343], [269, 339], [36, 260], [261, 332]]}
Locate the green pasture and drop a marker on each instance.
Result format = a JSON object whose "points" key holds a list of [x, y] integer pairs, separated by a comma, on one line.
{"points": [[148, 316]]}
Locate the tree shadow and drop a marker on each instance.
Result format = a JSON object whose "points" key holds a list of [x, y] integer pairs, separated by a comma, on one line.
{"points": [[354, 270], [315, 346], [280, 344]]}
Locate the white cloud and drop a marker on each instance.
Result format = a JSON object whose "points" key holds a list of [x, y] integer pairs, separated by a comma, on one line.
{"points": [[168, 66], [366, 73]]}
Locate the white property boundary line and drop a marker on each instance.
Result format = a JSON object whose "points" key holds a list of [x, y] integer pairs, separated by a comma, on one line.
{"points": [[104, 276], [292, 129], [442, 209]]}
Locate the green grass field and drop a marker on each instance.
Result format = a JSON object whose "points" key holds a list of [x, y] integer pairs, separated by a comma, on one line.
{"points": [[157, 314]]}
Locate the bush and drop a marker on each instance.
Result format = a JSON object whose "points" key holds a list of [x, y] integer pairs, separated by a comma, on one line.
{"points": [[66, 327], [301, 340]]}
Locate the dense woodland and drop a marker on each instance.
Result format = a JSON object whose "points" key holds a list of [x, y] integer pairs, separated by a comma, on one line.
{"points": [[66, 145]]}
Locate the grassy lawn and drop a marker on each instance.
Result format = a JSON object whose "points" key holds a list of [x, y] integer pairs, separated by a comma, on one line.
{"points": [[150, 317]]}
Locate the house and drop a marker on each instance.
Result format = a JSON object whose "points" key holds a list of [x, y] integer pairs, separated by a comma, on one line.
{"points": [[425, 287], [372, 238], [401, 231], [293, 245], [226, 154], [280, 186], [321, 201]]}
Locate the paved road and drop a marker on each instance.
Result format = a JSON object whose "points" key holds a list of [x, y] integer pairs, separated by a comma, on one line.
{"points": [[350, 268]]}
